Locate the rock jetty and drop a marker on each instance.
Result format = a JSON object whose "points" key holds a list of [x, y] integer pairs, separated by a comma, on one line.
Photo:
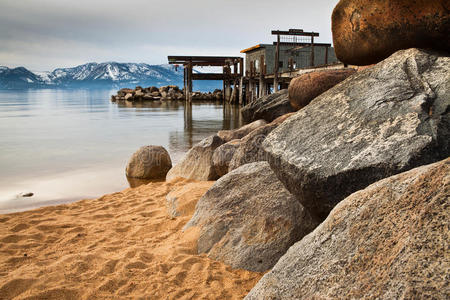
{"points": [[164, 93]]}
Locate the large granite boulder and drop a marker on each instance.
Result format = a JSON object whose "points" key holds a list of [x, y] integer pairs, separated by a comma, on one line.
{"points": [[250, 147], [149, 162], [388, 241], [268, 107], [308, 86], [368, 31], [387, 119], [248, 220], [197, 163], [222, 156], [233, 134]]}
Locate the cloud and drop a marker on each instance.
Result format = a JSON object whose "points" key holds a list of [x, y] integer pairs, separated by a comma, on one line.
{"points": [[46, 34]]}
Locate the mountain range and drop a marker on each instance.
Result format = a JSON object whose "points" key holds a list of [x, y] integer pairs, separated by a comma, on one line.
{"points": [[99, 75]]}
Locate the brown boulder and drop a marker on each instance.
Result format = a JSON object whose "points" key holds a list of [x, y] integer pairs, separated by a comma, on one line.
{"points": [[229, 135], [306, 87], [197, 162], [222, 156], [368, 31], [149, 162]]}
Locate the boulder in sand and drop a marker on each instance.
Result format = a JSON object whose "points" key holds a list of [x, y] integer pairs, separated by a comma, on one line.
{"points": [[223, 155], [388, 241], [149, 162], [386, 120], [368, 31], [248, 220], [197, 163], [308, 86], [229, 135], [268, 107]]}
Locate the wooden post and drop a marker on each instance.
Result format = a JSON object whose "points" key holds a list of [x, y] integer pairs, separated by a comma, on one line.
{"points": [[277, 58], [184, 82], [189, 82], [326, 55], [233, 93], [312, 50], [241, 88], [261, 77]]}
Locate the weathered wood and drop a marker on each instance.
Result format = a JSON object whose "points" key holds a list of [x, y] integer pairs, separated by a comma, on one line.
{"points": [[241, 90], [312, 51], [214, 76], [277, 58], [326, 55], [299, 32], [189, 82]]}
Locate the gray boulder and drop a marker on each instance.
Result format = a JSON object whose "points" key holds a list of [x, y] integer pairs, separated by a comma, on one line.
{"points": [[388, 241], [248, 220], [149, 162], [268, 107], [250, 147], [383, 121], [223, 155], [197, 163], [229, 135]]}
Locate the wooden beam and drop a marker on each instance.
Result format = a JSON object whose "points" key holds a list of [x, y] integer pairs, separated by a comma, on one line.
{"points": [[300, 33], [277, 58], [302, 44], [214, 76]]}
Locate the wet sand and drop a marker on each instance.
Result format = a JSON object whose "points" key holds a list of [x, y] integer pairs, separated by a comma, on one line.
{"points": [[120, 246]]}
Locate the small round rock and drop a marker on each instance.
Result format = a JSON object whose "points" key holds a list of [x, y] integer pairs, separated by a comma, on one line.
{"points": [[149, 162]]}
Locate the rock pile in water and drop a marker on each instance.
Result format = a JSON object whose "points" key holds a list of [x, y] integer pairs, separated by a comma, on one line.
{"points": [[164, 93]]}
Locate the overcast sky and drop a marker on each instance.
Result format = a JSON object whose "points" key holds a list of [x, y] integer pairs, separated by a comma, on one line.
{"points": [[45, 34]]}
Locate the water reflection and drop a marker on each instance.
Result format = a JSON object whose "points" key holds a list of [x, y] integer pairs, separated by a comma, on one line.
{"points": [[47, 136]]}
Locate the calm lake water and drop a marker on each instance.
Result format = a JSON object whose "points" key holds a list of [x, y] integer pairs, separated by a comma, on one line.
{"points": [[67, 145]]}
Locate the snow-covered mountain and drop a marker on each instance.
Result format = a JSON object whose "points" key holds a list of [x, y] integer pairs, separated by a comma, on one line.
{"points": [[108, 74]]}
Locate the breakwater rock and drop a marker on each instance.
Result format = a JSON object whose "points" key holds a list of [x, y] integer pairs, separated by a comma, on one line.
{"points": [[249, 227], [164, 93], [382, 121], [388, 241], [368, 31]]}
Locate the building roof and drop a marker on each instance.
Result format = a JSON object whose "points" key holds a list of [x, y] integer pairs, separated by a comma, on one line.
{"points": [[253, 48]]}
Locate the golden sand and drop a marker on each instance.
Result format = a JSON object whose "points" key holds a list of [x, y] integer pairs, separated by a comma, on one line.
{"points": [[120, 246]]}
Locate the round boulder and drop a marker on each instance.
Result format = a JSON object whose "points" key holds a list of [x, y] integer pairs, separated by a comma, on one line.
{"points": [[368, 31], [305, 88], [149, 162]]}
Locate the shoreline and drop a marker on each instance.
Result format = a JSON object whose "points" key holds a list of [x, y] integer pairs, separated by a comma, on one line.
{"points": [[119, 245]]}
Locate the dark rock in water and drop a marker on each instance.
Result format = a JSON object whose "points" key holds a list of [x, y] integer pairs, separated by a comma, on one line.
{"points": [[229, 135], [308, 86], [387, 119], [268, 107], [368, 31], [149, 162], [197, 163], [223, 155], [248, 220], [388, 241], [26, 195]]}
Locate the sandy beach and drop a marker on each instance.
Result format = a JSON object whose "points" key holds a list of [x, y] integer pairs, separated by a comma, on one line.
{"points": [[119, 246]]}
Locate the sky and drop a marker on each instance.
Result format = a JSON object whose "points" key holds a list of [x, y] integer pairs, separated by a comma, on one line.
{"points": [[42, 35]]}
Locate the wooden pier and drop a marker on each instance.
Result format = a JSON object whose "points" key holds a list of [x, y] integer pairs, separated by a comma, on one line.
{"points": [[268, 67], [232, 72]]}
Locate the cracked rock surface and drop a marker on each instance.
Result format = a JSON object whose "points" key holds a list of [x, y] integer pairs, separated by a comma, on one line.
{"points": [[249, 227], [388, 241], [382, 121]]}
